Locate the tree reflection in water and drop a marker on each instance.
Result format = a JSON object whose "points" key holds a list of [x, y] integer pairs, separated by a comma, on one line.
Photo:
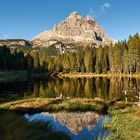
{"points": [[104, 88]]}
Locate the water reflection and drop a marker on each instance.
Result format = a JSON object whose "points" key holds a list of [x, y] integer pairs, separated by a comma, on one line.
{"points": [[104, 88], [78, 125]]}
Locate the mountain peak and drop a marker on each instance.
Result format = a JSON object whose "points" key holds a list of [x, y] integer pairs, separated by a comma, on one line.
{"points": [[75, 13], [90, 18], [75, 29]]}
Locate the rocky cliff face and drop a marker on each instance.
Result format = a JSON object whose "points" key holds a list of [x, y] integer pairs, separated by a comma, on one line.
{"points": [[74, 30]]}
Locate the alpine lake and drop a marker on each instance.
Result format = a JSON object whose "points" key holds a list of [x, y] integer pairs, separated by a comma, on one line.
{"points": [[29, 122]]}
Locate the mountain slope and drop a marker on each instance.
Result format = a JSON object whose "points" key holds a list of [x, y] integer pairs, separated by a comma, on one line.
{"points": [[74, 30]]}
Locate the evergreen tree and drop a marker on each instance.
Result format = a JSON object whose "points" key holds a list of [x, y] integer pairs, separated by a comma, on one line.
{"points": [[98, 66], [88, 60], [104, 59], [134, 53]]}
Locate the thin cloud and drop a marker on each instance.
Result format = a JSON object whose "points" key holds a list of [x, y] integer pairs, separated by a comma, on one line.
{"points": [[105, 6], [91, 12]]}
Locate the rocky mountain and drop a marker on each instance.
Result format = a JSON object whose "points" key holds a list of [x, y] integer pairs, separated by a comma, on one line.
{"points": [[74, 30], [15, 42]]}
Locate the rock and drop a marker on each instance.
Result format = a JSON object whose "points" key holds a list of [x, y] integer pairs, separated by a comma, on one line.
{"points": [[15, 42], [75, 29]]}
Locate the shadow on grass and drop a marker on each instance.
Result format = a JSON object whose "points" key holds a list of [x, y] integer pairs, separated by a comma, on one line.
{"points": [[13, 126]]}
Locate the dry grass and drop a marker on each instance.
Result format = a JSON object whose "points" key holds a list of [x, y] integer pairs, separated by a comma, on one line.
{"points": [[28, 105], [91, 75], [136, 113], [125, 124], [46, 104]]}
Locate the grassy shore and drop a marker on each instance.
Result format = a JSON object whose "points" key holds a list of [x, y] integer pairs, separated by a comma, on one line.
{"points": [[43, 104], [91, 75], [125, 123], [8, 76], [39, 104]]}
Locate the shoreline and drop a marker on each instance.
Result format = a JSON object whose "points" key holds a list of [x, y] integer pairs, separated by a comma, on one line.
{"points": [[9, 76], [36, 105], [13, 76], [92, 75], [120, 112], [32, 105]]}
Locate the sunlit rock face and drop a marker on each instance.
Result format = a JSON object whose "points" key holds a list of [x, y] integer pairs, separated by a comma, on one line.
{"points": [[76, 121], [75, 29]]}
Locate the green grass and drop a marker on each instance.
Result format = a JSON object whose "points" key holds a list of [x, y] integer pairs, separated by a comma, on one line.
{"points": [[125, 124], [80, 105], [14, 126], [32, 105], [48, 104]]}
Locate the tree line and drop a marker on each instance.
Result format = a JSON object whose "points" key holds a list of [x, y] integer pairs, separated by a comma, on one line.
{"points": [[121, 57], [20, 58], [12, 60]]}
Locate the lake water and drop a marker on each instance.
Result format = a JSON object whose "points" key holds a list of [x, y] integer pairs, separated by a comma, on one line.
{"points": [[103, 88], [77, 125]]}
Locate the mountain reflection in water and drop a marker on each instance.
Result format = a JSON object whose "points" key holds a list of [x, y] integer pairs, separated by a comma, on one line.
{"points": [[78, 125]]}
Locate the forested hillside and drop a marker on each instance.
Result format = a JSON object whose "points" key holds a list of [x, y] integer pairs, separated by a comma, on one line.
{"points": [[122, 57]]}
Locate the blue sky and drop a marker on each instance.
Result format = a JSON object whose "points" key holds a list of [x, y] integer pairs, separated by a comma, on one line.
{"points": [[26, 18]]}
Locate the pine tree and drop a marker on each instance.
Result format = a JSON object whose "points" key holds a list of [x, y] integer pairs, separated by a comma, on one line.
{"points": [[104, 59], [98, 66], [134, 53], [88, 60], [111, 58], [66, 64]]}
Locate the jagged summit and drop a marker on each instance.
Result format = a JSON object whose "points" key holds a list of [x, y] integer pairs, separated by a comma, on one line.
{"points": [[89, 18], [75, 29], [74, 14]]}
